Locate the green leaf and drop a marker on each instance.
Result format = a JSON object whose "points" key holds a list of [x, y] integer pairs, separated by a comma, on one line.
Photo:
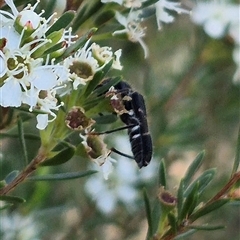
{"points": [[49, 7], [12, 199], [237, 156], [106, 119], [203, 180], [104, 17], [235, 202], [11, 176], [62, 176], [208, 208], [148, 3], [86, 13], [2, 184], [162, 174], [192, 169], [189, 204], [206, 227], [62, 22], [97, 78], [26, 136], [156, 215], [148, 212], [102, 88], [60, 157], [184, 236], [22, 140], [54, 48], [180, 198], [172, 222], [5, 206]]}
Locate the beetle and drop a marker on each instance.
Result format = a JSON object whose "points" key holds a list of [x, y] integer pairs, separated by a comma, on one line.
{"points": [[134, 117]]}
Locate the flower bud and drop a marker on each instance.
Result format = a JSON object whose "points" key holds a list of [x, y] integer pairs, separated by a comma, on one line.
{"points": [[28, 20], [77, 120], [96, 147], [167, 200]]}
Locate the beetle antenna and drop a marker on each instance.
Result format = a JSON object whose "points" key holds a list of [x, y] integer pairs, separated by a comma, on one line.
{"points": [[111, 131], [122, 154]]}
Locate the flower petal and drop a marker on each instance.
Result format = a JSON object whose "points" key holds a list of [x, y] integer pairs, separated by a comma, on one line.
{"points": [[42, 120], [44, 79], [10, 94]]}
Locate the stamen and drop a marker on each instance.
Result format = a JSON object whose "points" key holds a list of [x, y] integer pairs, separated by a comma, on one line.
{"points": [[10, 3], [7, 14]]}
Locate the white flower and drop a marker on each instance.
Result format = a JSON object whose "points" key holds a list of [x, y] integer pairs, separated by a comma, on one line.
{"points": [[26, 18], [132, 28], [23, 76], [216, 17], [162, 15], [82, 66], [11, 36], [104, 55], [29, 19], [118, 188]]}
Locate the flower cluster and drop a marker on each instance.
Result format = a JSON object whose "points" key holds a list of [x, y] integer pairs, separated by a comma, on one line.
{"points": [[133, 20], [29, 74], [220, 19]]}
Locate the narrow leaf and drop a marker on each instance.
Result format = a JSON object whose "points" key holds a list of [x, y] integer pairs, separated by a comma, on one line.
{"points": [[54, 48], [85, 13], [12, 199], [99, 90], [206, 227], [11, 176], [209, 208], [97, 78], [162, 174], [192, 169], [62, 22], [62, 176], [104, 17], [5, 206], [156, 215], [237, 156], [148, 213], [26, 136], [61, 157], [2, 184], [203, 180], [172, 222], [180, 198], [22, 140], [190, 203], [106, 119], [184, 236]]}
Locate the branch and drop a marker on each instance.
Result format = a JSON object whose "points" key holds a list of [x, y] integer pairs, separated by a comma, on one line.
{"points": [[226, 188], [41, 156]]}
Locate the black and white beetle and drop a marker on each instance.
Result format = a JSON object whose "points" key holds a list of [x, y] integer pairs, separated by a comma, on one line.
{"points": [[135, 119]]}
